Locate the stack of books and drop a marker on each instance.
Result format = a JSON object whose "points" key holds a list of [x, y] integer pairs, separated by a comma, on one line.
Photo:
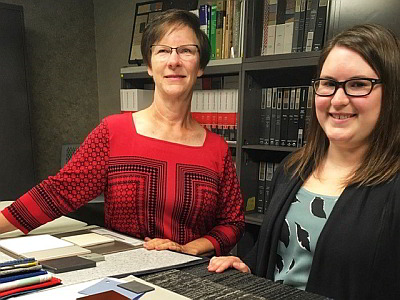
{"points": [[21, 276], [285, 115], [293, 26], [223, 23]]}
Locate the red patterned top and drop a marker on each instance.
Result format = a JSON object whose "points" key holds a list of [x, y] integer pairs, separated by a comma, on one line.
{"points": [[151, 187]]}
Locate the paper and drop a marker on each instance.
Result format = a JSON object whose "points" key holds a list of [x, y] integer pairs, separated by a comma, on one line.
{"points": [[71, 291], [136, 287], [57, 252], [108, 284], [34, 243], [118, 236], [88, 239], [61, 224]]}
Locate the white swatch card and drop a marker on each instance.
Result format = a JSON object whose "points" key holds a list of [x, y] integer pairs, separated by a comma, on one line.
{"points": [[33, 243]]}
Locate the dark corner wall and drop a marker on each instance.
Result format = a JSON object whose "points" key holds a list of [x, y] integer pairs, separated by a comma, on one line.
{"points": [[62, 76]]}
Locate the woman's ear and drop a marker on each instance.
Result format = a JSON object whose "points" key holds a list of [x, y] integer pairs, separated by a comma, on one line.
{"points": [[200, 72], [149, 71]]}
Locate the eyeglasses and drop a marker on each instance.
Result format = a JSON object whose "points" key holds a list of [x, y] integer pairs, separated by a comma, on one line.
{"points": [[356, 87], [185, 52]]}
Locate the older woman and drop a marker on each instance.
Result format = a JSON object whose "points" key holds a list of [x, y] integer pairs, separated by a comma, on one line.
{"points": [[165, 178], [332, 226]]}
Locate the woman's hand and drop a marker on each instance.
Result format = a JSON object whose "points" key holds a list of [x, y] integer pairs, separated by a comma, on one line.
{"points": [[200, 246], [164, 244], [221, 263]]}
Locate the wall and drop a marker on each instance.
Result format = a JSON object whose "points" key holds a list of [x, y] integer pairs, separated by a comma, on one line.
{"points": [[75, 51], [114, 23], [62, 73]]}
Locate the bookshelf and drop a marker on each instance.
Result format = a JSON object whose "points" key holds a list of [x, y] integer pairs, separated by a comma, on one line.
{"points": [[288, 70], [136, 77], [257, 72]]}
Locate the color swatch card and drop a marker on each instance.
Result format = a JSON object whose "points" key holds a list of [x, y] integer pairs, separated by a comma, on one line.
{"points": [[88, 239], [67, 264], [33, 243], [109, 284], [41, 247]]}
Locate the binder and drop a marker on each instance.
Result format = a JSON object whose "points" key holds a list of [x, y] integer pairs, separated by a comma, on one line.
{"points": [[320, 25], [268, 107], [285, 117], [273, 116], [293, 120], [261, 187], [263, 105], [268, 181], [278, 116]]}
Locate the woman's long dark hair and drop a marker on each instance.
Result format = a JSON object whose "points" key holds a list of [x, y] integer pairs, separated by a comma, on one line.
{"points": [[381, 49]]}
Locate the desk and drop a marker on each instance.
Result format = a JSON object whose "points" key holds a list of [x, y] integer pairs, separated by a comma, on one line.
{"points": [[196, 282], [193, 282]]}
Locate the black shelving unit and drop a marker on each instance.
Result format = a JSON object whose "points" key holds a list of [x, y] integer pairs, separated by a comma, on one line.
{"points": [[282, 70]]}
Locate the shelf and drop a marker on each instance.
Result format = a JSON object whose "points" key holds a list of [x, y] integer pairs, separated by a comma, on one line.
{"points": [[225, 62], [231, 143], [279, 61], [134, 73], [224, 66], [270, 148], [254, 218], [219, 66]]}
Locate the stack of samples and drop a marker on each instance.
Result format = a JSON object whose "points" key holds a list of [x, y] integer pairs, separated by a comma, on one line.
{"points": [[22, 276]]}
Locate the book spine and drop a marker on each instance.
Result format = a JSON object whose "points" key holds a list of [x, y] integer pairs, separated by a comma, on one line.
{"points": [[261, 187], [220, 14], [280, 12], [309, 34], [265, 28], [285, 117], [213, 29], [206, 109], [267, 129], [289, 26], [296, 116], [273, 116], [300, 38], [301, 92], [263, 106], [296, 25], [208, 17], [236, 28], [268, 182], [271, 27], [278, 117], [320, 25], [203, 18], [292, 125], [279, 38], [310, 98], [307, 15]]}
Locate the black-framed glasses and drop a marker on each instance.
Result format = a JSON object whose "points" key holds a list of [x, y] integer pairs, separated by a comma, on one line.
{"points": [[186, 52], [355, 87]]}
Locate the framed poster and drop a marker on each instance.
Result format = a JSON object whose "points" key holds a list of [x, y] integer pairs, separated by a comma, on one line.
{"points": [[144, 13]]}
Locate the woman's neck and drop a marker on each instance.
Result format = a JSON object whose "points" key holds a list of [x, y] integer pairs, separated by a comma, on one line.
{"points": [[171, 112], [346, 158]]}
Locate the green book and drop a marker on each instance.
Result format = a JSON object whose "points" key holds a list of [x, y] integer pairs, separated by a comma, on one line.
{"points": [[212, 37]]}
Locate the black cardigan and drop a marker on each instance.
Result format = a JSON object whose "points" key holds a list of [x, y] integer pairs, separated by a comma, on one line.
{"points": [[358, 252]]}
